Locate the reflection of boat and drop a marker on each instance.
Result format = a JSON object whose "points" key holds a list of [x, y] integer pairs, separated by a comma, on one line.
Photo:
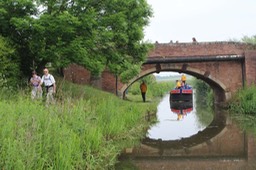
{"points": [[182, 111], [181, 108], [182, 94], [181, 104]]}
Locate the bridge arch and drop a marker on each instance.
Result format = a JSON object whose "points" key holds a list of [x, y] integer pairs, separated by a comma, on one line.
{"points": [[225, 66], [221, 92]]}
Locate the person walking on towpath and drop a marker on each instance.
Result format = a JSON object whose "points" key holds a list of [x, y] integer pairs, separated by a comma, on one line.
{"points": [[35, 81], [50, 86], [143, 89]]}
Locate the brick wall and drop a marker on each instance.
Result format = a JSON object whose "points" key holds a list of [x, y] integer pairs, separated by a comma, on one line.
{"points": [[250, 66], [77, 74], [109, 82]]}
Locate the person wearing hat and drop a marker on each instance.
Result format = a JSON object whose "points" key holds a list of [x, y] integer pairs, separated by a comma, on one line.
{"points": [[178, 84], [183, 78], [35, 81]]}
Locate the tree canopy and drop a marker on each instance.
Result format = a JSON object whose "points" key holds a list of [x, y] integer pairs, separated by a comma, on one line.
{"points": [[93, 33], [251, 40]]}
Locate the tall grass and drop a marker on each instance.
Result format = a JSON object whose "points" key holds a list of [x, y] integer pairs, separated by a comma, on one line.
{"points": [[86, 129], [243, 108], [244, 101]]}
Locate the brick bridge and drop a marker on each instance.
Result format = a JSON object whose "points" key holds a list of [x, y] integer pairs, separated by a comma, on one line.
{"points": [[225, 66]]}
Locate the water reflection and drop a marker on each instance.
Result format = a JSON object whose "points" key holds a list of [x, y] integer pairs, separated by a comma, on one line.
{"points": [[177, 122], [190, 144], [181, 108]]}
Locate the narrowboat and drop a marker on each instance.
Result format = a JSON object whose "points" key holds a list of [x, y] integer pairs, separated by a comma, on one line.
{"points": [[182, 94]]}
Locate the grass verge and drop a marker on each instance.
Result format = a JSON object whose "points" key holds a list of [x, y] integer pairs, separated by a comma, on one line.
{"points": [[243, 108], [86, 129]]}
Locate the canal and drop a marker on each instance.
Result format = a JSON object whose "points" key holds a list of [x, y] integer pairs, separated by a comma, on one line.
{"points": [[177, 122], [189, 138]]}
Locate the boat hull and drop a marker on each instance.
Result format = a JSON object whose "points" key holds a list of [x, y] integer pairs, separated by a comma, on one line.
{"points": [[181, 95]]}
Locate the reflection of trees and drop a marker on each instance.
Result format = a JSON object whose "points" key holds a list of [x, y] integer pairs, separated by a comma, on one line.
{"points": [[204, 114], [204, 102]]}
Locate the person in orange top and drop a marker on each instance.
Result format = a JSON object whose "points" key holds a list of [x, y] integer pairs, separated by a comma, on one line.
{"points": [[183, 78], [178, 84], [143, 89]]}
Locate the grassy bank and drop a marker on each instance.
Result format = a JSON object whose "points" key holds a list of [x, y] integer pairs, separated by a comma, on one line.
{"points": [[243, 108], [86, 129]]}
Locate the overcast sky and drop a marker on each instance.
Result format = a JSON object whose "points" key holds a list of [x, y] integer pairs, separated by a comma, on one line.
{"points": [[206, 20]]}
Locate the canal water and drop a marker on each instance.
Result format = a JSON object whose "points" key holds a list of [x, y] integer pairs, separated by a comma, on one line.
{"points": [[175, 123], [184, 138]]}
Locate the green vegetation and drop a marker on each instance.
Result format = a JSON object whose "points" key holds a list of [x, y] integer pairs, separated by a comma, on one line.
{"points": [[86, 129], [251, 40], [9, 72], [244, 101], [94, 34], [204, 93], [243, 107], [204, 114], [204, 101], [155, 89]]}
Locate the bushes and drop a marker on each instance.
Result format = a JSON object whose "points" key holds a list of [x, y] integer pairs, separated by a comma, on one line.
{"points": [[244, 101], [243, 108]]}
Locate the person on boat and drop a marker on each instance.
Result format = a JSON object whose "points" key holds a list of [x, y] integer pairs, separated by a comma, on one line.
{"points": [[183, 78], [35, 81], [143, 89], [183, 85], [178, 84]]}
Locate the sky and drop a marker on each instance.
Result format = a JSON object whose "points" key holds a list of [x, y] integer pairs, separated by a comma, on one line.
{"points": [[206, 20]]}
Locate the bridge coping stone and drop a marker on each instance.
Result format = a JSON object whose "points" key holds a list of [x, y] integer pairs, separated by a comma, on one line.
{"points": [[202, 43]]}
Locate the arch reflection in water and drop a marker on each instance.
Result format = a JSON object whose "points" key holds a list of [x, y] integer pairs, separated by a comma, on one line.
{"points": [[218, 145], [222, 145]]}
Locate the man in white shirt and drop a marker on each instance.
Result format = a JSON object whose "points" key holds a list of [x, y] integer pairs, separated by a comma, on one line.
{"points": [[49, 83]]}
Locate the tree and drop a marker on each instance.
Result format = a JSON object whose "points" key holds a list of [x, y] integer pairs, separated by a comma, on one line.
{"points": [[9, 65], [93, 33], [251, 40], [15, 20]]}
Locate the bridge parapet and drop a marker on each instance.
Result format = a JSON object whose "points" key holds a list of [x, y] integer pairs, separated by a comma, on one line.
{"points": [[198, 49]]}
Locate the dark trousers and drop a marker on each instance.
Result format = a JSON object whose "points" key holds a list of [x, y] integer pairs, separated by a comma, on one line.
{"points": [[143, 94]]}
